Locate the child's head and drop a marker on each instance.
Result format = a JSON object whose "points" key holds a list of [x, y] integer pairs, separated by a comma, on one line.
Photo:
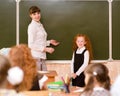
{"points": [[20, 55], [96, 74], [8, 75], [81, 40], [4, 67]]}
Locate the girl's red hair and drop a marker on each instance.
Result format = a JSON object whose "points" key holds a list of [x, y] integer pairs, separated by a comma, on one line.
{"points": [[87, 45], [20, 55]]}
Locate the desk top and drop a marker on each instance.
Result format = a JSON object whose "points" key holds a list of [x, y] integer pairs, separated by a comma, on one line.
{"points": [[51, 93], [50, 73]]}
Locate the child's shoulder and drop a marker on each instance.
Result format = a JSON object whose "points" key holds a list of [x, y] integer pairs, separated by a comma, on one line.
{"points": [[96, 93], [103, 92]]}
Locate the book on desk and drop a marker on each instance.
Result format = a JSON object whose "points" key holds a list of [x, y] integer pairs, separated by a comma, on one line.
{"points": [[55, 86]]}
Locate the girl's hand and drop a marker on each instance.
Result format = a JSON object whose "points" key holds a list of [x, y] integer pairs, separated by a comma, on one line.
{"points": [[54, 42], [73, 75]]}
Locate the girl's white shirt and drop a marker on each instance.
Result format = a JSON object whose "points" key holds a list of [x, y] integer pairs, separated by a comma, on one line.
{"points": [[98, 88], [85, 63], [37, 39], [115, 88], [97, 91]]}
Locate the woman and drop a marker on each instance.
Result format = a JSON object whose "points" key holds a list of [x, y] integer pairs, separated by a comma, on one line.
{"points": [[37, 39]]}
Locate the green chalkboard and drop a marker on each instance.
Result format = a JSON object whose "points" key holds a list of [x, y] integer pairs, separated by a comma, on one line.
{"points": [[7, 23], [63, 19], [116, 30]]}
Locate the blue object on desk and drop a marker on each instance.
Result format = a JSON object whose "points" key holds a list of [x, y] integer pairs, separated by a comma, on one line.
{"points": [[4, 51], [66, 88]]}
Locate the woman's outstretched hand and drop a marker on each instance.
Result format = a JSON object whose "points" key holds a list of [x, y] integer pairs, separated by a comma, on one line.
{"points": [[54, 42]]}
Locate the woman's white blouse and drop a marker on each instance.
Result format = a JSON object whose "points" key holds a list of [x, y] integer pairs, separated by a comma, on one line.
{"points": [[37, 39]]}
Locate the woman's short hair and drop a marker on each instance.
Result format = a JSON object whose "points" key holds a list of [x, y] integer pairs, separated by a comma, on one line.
{"points": [[34, 9]]}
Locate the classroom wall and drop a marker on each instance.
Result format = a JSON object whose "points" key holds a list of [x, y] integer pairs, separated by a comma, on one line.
{"points": [[64, 68]]}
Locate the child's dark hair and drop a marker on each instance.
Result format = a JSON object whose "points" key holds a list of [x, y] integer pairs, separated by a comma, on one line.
{"points": [[100, 72], [34, 9]]}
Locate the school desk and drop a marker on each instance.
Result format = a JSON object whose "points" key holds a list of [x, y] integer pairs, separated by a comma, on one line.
{"points": [[51, 93], [50, 74]]}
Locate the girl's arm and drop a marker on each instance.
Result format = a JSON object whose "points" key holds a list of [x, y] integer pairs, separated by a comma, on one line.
{"points": [[85, 63], [73, 75], [72, 67]]}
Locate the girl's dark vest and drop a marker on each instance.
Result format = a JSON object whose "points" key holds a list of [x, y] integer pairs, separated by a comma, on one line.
{"points": [[78, 61]]}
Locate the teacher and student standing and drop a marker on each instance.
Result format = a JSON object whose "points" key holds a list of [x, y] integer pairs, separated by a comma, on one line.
{"points": [[37, 41], [82, 55], [82, 51]]}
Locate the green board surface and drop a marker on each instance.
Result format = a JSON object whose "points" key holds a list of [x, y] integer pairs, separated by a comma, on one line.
{"points": [[62, 21]]}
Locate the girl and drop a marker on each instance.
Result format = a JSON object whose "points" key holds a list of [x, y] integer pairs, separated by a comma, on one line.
{"points": [[20, 55], [7, 75], [81, 57], [97, 81]]}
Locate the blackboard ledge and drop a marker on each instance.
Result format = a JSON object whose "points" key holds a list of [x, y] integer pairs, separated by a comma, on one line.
{"points": [[69, 61]]}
